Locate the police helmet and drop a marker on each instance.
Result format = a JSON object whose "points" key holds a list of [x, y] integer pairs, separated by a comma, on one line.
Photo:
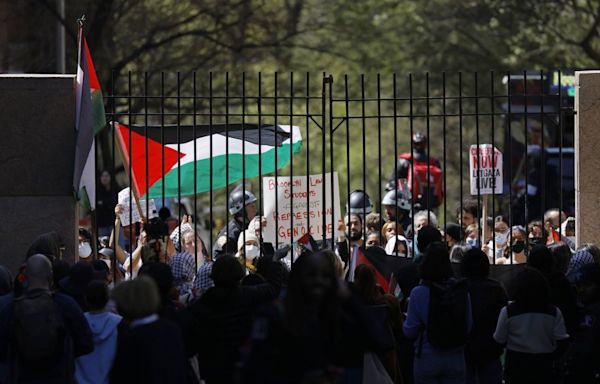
{"points": [[360, 203], [419, 140], [238, 199], [397, 198]]}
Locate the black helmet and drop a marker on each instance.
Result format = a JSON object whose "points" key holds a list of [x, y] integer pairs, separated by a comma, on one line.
{"points": [[238, 199], [360, 203], [419, 140]]}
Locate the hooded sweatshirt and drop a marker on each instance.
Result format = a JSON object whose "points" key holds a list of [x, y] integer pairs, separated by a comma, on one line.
{"points": [[95, 367]]}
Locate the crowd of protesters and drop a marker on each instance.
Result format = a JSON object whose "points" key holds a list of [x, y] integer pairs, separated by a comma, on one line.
{"points": [[168, 309]]}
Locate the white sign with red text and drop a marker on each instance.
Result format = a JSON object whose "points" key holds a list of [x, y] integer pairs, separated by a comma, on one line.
{"points": [[296, 206], [485, 167]]}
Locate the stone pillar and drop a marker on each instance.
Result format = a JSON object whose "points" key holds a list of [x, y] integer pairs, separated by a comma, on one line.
{"points": [[587, 156], [36, 163]]}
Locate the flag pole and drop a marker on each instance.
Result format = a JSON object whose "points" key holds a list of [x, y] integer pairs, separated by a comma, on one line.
{"points": [[483, 220], [126, 166]]}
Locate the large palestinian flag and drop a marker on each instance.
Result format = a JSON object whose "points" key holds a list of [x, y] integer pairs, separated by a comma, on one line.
{"points": [[89, 120], [157, 162]]}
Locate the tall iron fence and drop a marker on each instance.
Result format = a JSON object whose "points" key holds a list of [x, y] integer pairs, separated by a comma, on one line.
{"points": [[189, 140]]}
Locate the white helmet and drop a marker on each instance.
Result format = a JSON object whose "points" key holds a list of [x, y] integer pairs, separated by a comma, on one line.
{"points": [[397, 198]]}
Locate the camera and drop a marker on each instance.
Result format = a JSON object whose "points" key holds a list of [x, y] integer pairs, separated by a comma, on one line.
{"points": [[155, 229]]}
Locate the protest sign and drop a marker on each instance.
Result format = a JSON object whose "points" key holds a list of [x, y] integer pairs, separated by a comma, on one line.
{"points": [[485, 165], [124, 199], [300, 208]]}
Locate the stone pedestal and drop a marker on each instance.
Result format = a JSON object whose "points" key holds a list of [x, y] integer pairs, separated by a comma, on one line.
{"points": [[36, 163], [587, 156]]}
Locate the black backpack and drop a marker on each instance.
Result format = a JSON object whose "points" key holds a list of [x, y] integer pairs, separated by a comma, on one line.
{"points": [[39, 331], [447, 323]]}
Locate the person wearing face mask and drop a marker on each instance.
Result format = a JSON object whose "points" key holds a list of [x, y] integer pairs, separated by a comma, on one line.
{"points": [[517, 251], [472, 236], [248, 250], [85, 245], [495, 247], [535, 233]]}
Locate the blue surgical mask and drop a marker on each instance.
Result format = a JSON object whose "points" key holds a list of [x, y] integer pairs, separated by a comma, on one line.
{"points": [[501, 238], [473, 243]]}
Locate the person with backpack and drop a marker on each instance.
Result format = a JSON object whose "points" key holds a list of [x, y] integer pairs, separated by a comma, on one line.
{"points": [[532, 329], [41, 333], [422, 174], [482, 353], [439, 320]]}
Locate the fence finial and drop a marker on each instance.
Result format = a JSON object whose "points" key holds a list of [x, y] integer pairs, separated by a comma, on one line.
{"points": [[80, 20]]}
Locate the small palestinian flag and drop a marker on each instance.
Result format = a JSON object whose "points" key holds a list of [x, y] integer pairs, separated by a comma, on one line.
{"points": [[158, 162], [307, 242], [89, 120], [384, 264]]}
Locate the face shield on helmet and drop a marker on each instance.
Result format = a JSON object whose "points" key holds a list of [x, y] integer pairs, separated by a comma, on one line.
{"points": [[238, 199], [397, 198]]}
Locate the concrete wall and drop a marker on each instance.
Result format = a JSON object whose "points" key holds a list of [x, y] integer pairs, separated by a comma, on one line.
{"points": [[587, 156], [36, 163]]}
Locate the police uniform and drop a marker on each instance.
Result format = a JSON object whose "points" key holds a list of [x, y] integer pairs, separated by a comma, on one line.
{"points": [[227, 239]]}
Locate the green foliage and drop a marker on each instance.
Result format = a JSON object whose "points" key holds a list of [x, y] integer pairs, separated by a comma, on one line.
{"points": [[342, 37]]}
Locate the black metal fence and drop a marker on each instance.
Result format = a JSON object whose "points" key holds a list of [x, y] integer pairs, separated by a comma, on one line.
{"points": [[356, 126]]}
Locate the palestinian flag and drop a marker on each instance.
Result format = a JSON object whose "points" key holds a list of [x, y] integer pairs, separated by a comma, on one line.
{"points": [[89, 120], [236, 152], [384, 264]]}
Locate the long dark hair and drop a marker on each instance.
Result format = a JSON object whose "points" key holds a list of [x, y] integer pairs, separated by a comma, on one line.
{"points": [[436, 266], [531, 290], [366, 283], [299, 304]]}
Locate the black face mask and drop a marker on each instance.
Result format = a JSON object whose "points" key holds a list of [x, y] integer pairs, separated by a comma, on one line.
{"points": [[518, 246], [533, 241]]}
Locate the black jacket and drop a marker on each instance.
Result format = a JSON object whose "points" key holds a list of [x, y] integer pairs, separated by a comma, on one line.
{"points": [[231, 232], [221, 320], [61, 370], [149, 354], [487, 299]]}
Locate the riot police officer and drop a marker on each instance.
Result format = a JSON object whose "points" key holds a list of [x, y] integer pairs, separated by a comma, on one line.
{"points": [[397, 201], [242, 205], [359, 203]]}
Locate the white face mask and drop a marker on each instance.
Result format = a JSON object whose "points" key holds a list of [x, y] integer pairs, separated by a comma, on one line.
{"points": [[251, 252], [85, 250], [501, 238]]}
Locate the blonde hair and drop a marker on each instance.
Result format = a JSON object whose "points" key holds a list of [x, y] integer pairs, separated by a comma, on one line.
{"points": [[471, 228], [137, 298]]}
